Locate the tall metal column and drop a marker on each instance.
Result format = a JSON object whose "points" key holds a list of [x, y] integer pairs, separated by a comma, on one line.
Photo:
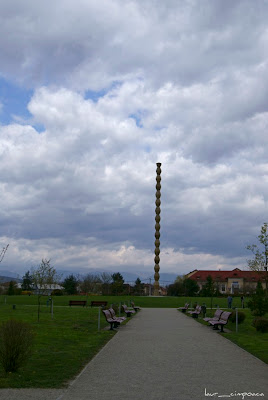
{"points": [[157, 229]]}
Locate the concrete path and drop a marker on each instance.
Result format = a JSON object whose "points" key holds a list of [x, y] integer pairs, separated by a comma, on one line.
{"points": [[162, 354]]}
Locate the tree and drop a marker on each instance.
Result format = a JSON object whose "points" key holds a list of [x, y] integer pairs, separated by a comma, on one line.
{"points": [[11, 288], [70, 284], [43, 278], [139, 286], [259, 302], [27, 281], [209, 289], [183, 287], [191, 287], [106, 280], [90, 283], [260, 260], [118, 283]]}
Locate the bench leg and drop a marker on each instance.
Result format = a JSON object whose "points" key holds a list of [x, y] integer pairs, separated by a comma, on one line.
{"points": [[111, 326]]}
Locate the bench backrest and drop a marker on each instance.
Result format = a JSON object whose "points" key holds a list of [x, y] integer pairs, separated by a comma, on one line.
{"points": [[112, 312], [218, 313], [225, 315], [124, 307], [107, 314]]}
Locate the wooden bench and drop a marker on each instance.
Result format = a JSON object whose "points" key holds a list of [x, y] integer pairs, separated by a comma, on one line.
{"points": [[127, 311], [77, 303], [222, 321], [196, 312], [119, 319], [216, 316], [99, 303], [183, 309], [112, 321], [136, 308]]}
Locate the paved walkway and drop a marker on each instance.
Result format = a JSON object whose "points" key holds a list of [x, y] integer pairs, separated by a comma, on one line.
{"points": [[162, 354]]}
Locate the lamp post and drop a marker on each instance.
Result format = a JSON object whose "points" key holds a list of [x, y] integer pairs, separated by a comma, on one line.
{"points": [[157, 229]]}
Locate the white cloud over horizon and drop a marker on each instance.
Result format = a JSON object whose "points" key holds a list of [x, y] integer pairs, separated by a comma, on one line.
{"points": [[115, 88]]}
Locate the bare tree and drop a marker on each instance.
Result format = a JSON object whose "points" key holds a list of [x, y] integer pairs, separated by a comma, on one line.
{"points": [[90, 283], [43, 278], [260, 260]]}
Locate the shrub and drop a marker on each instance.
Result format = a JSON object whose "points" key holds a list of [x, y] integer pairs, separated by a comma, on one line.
{"points": [[261, 324], [16, 340], [241, 316], [57, 292], [115, 307], [259, 301]]}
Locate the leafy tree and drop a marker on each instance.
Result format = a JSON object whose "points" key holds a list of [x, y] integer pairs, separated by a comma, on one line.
{"points": [[117, 283], [70, 284], [139, 286], [11, 288], [190, 286], [27, 281], [183, 287], [43, 278], [259, 301], [175, 289]]}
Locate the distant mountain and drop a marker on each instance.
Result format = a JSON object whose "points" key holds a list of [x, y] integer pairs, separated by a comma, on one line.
{"points": [[9, 274], [146, 276], [4, 279], [129, 277]]}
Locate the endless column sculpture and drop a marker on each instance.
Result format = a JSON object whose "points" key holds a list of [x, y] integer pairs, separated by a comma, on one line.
{"points": [[157, 229]]}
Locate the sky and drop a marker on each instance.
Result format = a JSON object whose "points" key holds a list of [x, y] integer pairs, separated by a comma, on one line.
{"points": [[93, 93]]}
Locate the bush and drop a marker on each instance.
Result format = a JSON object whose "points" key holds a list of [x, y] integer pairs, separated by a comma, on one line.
{"points": [[16, 340], [57, 292], [261, 324], [241, 316], [259, 302]]}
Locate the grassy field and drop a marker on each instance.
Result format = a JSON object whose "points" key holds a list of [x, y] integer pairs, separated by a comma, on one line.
{"points": [[63, 345], [247, 337], [143, 301]]}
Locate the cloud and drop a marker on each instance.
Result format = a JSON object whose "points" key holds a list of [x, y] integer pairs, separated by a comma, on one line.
{"points": [[112, 89], [91, 44]]}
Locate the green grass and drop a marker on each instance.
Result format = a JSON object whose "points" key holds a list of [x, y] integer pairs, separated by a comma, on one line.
{"points": [[142, 301], [62, 346], [247, 337]]}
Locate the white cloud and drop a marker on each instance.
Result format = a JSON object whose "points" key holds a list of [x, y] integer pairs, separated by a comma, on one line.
{"points": [[181, 83]]}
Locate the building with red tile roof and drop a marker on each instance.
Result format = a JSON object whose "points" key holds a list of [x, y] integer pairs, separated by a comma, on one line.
{"points": [[231, 282]]}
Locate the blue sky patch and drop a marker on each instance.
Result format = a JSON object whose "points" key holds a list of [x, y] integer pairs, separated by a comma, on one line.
{"points": [[14, 101]]}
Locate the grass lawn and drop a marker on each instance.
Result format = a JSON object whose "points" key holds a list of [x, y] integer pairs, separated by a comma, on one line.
{"points": [[64, 345], [142, 301], [247, 337]]}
